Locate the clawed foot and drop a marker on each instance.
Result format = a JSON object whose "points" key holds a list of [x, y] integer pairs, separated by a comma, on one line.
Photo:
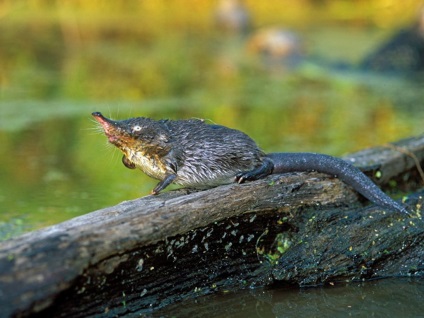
{"points": [[258, 173], [244, 176], [163, 184]]}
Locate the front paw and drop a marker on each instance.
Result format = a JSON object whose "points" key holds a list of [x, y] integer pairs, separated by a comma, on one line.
{"points": [[127, 163]]}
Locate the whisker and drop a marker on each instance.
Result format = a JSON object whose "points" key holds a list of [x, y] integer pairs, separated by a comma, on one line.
{"points": [[98, 129], [95, 129], [113, 153], [95, 122], [97, 126], [95, 133], [110, 112], [106, 152]]}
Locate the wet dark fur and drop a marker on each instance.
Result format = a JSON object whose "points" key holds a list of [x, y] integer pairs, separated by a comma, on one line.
{"points": [[194, 154]]}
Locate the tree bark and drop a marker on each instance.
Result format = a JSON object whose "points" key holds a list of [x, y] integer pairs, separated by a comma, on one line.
{"points": [[141, 255]]}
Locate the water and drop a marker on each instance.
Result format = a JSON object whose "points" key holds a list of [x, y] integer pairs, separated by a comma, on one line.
{"points": [[382, 298]]}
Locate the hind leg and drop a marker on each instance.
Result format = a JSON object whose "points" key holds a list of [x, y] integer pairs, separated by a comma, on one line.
{"points": [[258, 173]]}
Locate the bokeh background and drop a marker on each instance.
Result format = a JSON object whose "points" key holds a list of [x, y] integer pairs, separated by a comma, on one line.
{"points": [[305, 75]]}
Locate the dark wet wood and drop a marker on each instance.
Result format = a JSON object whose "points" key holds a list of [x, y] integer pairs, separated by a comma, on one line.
{"points": [[140, 255]]}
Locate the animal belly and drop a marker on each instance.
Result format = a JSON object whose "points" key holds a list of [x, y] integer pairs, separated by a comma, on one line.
{"points": [[203, 178], [150, 166]]}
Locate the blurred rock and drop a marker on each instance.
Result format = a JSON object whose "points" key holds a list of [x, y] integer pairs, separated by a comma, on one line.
{"points": [[277, 47], [232, 16], [402, 53], [274, 48]]}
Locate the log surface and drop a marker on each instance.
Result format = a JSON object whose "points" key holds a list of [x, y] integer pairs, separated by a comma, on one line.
{"points": [[141, 255]]}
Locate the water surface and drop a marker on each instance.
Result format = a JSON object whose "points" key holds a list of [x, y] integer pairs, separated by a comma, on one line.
{"points": [[383, 298]]}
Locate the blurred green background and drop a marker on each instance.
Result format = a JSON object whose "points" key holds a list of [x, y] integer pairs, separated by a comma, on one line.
{"points": [[62, 60]]}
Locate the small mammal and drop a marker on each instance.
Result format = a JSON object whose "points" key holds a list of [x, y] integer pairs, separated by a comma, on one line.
{"points": [[194, 154]]}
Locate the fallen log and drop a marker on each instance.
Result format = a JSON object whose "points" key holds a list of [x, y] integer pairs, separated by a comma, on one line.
{"points": [[141, 255]]}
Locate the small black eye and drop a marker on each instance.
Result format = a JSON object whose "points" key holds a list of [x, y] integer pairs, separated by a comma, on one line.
{"points": [[136, 128]]}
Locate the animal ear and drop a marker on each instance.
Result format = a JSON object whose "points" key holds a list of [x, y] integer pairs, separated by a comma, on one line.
{"points": [[127, 163]]}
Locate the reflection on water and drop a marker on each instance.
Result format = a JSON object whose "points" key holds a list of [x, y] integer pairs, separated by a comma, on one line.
{"points": [[384, 298]]}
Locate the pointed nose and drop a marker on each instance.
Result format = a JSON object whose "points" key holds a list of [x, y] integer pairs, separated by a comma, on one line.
{"points": [[101, 119], [98, 116], [109, 125]]}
